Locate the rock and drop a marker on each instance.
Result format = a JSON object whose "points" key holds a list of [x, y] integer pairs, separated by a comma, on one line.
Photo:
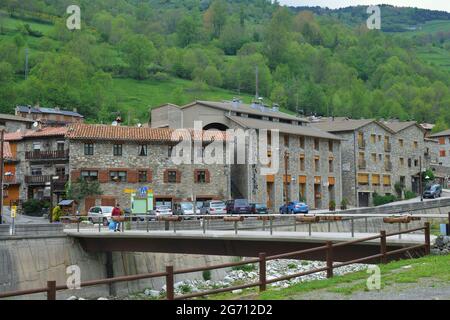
{"points": [[151, 293], [81, 298], [101, 298], [72, 298], [238, 291]]}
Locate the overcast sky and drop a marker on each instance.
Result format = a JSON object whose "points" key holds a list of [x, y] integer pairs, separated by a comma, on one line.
{"points": [[427, 4]]}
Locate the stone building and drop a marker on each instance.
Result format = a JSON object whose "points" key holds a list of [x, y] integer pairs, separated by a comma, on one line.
{"points": [[49, 116], [11, 185], [444, 147], [313, 156], [43, 156], [126, 159], [367, 157], [12, 123], [409, 153]]}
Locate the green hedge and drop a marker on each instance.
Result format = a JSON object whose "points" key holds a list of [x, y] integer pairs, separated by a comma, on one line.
{"points": [[379, 200], [34, 207]]}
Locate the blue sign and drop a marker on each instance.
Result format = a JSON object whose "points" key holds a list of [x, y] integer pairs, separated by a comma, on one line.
{"points": [[143, 191]]}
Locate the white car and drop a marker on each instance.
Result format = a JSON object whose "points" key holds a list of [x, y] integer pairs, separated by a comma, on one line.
{"points": [[186, 209], [163, 211], [100, 214], [214, 207]]}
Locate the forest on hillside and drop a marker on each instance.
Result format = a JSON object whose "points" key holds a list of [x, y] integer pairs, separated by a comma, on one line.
{"points": [[308, 63]]}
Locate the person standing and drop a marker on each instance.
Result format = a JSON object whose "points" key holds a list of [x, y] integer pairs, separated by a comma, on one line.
{"points": [[116, 216]]}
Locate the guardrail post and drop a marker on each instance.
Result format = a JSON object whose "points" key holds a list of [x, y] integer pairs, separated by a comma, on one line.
{"points": [[329, 259], [329, 226], [169, 283], [367, 224], [309, 229], [427, 238], [174, 227], [204, 225], [383, 246], [353, 227], [51, 290], [78, 224], [148, 220], [235, 228], [100, 226], [262, 272], [271, 225], [264, 223]]}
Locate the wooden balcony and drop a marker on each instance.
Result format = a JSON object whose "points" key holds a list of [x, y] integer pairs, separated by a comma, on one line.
{"points": [[47, 155], [10, 180], [42, 180]]}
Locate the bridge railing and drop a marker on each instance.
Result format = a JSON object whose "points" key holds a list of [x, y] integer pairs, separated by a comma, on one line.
{"points": [[262, 259], [173, 222]]}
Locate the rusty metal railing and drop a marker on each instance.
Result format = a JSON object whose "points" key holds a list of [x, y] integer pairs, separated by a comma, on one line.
{"points": [[262, 259]]}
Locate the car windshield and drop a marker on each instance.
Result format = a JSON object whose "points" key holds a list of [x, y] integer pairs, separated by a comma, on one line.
{"points": [[106, 210], [186, 206], [217, 204], [241, 202], [163, 208], [259, 206]]}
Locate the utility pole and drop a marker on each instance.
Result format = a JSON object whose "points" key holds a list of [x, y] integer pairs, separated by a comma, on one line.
{"points": [[257, 83], [286, 178], [26, 63], [420, 179], [2, 139]]}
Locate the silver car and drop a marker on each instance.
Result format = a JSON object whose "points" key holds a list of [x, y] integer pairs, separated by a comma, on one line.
{"points": [[100, 214], [185, 209], [214, 207]]}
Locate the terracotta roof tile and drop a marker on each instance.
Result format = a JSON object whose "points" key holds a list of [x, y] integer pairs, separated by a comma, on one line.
{"points": [[123, 133], [44, 132]]}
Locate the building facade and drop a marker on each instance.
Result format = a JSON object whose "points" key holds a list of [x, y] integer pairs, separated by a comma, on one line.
{"points": [[313, 156], [126, 159], [49, 116], [443, 139], [12, 123], [11, 184]]}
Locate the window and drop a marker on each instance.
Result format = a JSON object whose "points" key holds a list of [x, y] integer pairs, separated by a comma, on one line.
{"points": [[200, 176], [172, 176], [330, 146], [302, 163], [317, 164], [330, 165], [287, 162], [374, 157], [60, 145], [363, 179], [442, 153], [401, 142], [302, 142], [442, 140], [60, 171], [117, 150], [316, 144], [402, 162], [375, 179], [409, 163], [415, 144], [143, 150], [169, 151], [36, 146], [373, 138], [88, 149], [36, 171], [269, 137], [387, 181], [286, 141], [416, 163], [89, 175], [142, 176], [118, 176]]}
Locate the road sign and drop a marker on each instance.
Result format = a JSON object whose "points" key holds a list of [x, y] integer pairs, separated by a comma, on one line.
{"points": [[13, 211], [129, 191]]}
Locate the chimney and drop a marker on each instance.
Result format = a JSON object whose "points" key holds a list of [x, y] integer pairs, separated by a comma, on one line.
{"points": [[75, 110], [275, 107], [29, 109], [57, 108], [235, 103]]}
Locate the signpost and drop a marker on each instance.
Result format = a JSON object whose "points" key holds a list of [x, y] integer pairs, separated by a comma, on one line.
{"points": [[12, 229]]}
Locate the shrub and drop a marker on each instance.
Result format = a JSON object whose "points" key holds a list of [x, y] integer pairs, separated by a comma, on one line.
{"points": [[332, 205], [344, 204], [35, 207], [206, 275], [409, 194], [379, 200]]}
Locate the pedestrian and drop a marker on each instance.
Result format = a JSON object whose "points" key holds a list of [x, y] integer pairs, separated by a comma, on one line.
{"points": [[116, 216]]}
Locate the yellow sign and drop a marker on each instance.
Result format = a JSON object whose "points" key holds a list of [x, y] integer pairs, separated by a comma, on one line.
{"points": [[129, 191], [13, 211]]}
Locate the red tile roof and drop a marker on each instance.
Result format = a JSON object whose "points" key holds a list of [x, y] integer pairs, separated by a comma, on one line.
{"points": [[44, 132], [123, 133]]}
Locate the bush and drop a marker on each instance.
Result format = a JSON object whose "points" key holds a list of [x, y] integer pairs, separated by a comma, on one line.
{"points": [[35, 207], [344, 204], [379, 200], [206, 275], [332, 205], [409, 195]]}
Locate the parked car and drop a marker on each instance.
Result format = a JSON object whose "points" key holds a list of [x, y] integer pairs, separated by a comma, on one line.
{"points": [[163, 211], [214, 207], [433, 191], [294, 207], [100, 214], [238, 206], [185, 209], [259, 208]]}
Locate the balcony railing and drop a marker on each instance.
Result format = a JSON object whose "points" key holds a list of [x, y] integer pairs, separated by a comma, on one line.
{"points": [[388, 166], [362, 164], [42, 180], [10, 179], [47, 155]]}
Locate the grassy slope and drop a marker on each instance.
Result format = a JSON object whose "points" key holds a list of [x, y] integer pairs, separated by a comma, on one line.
{"points": [[433, 267]]}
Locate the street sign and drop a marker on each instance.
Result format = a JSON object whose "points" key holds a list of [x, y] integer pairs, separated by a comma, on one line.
{"points": [[129, 191], [13, 211]]}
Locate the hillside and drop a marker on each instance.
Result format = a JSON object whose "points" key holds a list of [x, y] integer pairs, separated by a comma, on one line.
{"points": [[135, 54]]}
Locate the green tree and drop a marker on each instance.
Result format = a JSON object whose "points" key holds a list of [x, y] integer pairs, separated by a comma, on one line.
{"points": [[277, 37], [215, 17], [139, 53]]}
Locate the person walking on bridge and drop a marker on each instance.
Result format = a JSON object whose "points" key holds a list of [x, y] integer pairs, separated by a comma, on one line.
{"points": [[117, 216]]}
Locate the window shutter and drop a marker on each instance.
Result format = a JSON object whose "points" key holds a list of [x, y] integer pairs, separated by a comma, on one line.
{"points": [[149, 176], [75, 175], [166, 176], [178, 176], [207, 176], [132, 176], [103, 176]]}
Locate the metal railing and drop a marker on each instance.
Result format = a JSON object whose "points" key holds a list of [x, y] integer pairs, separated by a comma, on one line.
{"points": [[262, 259], [46, 178]]}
